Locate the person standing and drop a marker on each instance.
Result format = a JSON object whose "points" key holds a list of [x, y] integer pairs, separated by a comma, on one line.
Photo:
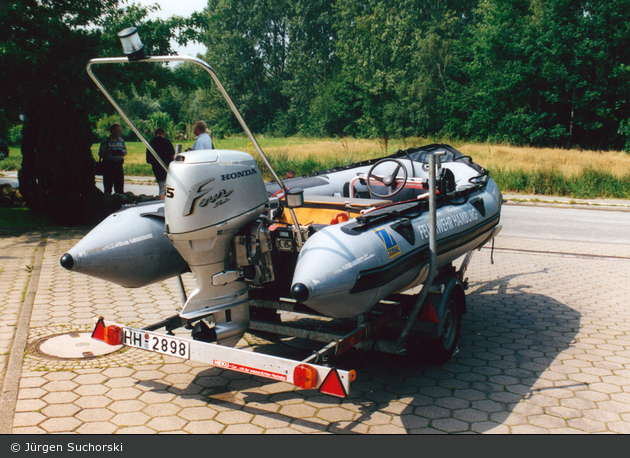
{"points": [[113, 152], [203, 139], [164, 148]]}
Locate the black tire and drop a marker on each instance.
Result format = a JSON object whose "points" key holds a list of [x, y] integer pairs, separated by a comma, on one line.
{"points": [[442, 349]]}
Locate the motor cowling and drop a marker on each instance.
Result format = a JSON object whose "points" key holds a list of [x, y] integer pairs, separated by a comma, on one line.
{"points": [[210, 196]]}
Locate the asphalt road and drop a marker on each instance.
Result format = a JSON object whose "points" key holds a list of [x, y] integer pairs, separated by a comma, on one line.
{"points": [[565, 223], [557, 222]]}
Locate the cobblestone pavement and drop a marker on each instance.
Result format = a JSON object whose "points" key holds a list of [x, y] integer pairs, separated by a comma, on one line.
{"points": [[545, 348]]}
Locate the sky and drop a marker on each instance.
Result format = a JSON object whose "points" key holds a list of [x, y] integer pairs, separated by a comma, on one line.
{"points": [[182, 8]]}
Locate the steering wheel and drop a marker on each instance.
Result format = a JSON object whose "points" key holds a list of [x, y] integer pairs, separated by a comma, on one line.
{"points": [[387, 180]]}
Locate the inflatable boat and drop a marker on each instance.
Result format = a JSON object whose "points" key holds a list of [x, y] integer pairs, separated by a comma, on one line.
{"points": [[363, 231], [336, 242]]}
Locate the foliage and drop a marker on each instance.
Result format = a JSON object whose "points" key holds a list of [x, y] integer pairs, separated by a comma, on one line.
{"points": [[15, 135], [526, 72], [44, 49]]}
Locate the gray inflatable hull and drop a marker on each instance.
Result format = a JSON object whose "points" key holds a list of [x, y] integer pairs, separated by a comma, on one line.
{"points": [[344, 270], [128, 248]]}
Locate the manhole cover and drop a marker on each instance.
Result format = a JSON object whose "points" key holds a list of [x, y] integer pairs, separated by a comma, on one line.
{"points": [[74, 345]]}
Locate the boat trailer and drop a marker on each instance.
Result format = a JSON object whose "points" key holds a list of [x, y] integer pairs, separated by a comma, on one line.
{"points": [[432, 316], [392, 326]]}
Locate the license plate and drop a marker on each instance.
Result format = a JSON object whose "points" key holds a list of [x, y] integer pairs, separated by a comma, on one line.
{"points": [[166, 345]]}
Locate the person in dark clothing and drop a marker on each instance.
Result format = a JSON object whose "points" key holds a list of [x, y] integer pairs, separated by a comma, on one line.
{"points": [[164, 148], [113, 152]]}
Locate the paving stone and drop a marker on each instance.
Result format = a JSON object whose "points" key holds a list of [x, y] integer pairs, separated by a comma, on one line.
{"points": [[334, 414], [546, 421], [29, 405], [527, 429], [244, 428], [602, 415], [94, 415], [298, 410], [432, 412], [60, 425], [97, 427], [91, 402], [621, 427], [91, 390], [470, 415], [60, 410], [130, 419], [162, 424], [587, 425], [162, 410], [282, 431], [233, 417], [450, 425], [489, 427], [28, 418], [135, 430], [204, 427], [62, 397], [123, 394], [90, 379], [126, 406], [409, 422]]}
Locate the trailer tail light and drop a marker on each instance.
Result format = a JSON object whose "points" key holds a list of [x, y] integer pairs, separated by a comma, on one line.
{"points": [[332, 385], [111, 335], [305, 376]]}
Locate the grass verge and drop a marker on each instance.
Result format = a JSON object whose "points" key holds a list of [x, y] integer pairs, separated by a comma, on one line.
{"points": [[543, 171], [21, 218]]}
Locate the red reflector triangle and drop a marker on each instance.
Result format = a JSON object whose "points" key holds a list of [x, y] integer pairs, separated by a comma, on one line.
{"points": [[429, 315], [99, 330], [332, 385]]}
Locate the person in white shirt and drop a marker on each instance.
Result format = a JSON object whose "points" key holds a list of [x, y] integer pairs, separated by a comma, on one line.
{"points": [[203, 139]]}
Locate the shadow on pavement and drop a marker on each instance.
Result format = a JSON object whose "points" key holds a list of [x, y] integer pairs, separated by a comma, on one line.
{"points": [[509, 338]]}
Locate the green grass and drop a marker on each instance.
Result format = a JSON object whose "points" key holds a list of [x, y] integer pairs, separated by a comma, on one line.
{"points": [[306, 155], [135, 161], [587, 184], [14, 161], [20, 218]]}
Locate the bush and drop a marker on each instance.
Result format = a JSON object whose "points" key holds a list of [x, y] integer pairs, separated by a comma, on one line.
{"points": [[101, 130], [15, 135]]}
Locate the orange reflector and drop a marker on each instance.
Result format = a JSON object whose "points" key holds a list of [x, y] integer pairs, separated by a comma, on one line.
{"points": [[353, 375], [332, 385], [305, 376], [99, 330], [429, 315], [113, 335]]}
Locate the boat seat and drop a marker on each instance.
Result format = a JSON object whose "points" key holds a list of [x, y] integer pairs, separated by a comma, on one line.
{"points": [[330, 209]]}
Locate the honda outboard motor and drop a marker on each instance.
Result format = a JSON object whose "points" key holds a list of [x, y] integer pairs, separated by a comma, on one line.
{"points": [[210, 195]]}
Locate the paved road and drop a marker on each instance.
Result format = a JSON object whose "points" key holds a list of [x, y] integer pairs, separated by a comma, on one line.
{"points": [[136, 185], [545, 348], [566, 224]]}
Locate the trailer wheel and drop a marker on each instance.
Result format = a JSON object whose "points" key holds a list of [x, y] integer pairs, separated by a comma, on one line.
{"points": [[443, 348]]}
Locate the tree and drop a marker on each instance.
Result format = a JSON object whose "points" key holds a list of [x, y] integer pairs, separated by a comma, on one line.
{"points": [[45, 47], [545, 73], [247, 45]]}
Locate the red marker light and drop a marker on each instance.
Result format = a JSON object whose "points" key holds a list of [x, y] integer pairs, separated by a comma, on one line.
{"points": [[113, 335], [305, 376]]}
